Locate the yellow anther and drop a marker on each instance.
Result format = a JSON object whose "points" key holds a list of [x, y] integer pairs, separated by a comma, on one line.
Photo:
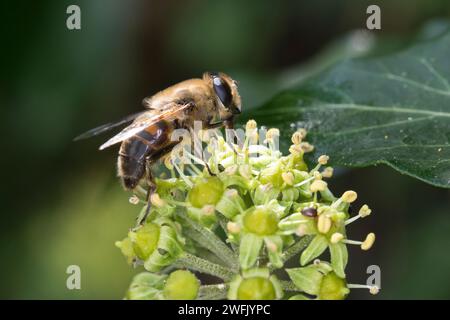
{"points": [[231, 193], [295, 149], [364, 211], [302, 132], [318, 185], [327, 172], [208, 210], [317, 175], [323, 223], [323, 159], [272, 133], [336, 237], [349, 196], [251, 125], [156, 200], [288, 178], [233, 227], [297, 138], [306, 147], [374, 290], [368, 243]]}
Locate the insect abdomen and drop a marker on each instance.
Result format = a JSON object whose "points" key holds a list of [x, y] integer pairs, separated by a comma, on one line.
{"points": [[135, 151]]}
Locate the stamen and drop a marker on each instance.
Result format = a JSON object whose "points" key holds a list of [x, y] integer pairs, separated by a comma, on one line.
{"points": [[295, 150], [364, 211], [288, 178], [233, 227], [368, 243], [306, 147], [318, 185], [323, 223], [304, 182], [336, 237], [317, 175], [327, 172], [349, 196], [208, 210], [323, 159], [272, 133], [372, 289], [250, 125], [297, 138], [156, 200]]}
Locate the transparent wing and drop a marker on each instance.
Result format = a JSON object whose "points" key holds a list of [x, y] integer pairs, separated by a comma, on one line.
{"points": [[145, 120], [106, 127]]}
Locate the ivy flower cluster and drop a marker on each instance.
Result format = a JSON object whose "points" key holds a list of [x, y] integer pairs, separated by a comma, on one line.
{"points": [[240, 216]]}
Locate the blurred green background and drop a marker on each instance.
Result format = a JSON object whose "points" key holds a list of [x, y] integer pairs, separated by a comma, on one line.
{"points": [[61, 203]]}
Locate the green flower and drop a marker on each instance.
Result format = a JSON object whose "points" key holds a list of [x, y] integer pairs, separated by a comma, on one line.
{"points": [[255, 284], [319, 280], [181, 285], [258, 227], [156, 245]]}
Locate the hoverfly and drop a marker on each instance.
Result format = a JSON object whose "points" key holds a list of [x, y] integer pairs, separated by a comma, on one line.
{"points": [[213, 100]]}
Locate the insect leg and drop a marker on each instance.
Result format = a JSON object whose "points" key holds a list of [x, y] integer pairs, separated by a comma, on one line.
{"points": [[151, 189]]}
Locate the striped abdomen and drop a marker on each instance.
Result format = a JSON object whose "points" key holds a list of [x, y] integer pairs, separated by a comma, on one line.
{"points": [[152, 142]]}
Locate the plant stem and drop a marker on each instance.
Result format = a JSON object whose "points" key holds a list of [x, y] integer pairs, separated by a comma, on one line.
{"points": [[210, 241], [212, 292], [192, 262], [296, 248]]}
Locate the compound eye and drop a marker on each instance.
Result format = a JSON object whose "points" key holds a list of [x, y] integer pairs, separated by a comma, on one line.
{"points": [[223, 91]]}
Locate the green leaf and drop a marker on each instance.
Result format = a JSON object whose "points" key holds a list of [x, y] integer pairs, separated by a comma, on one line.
{"points": [[339, 258], [392, 110], [315, 249], [249, 250], [307, 279]]}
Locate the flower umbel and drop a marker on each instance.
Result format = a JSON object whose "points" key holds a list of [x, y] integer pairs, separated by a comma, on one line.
{"points": [[239, 216]]}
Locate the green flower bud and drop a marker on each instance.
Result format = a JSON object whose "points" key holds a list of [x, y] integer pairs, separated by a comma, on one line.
{"points": [[260, 221], [181, 285], [333, 288], [256, 289], [206, 191], [255, 284], [145, 240]]}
